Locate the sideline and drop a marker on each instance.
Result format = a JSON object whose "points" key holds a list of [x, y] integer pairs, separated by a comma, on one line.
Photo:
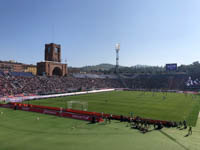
{"points": [[173, 139]]}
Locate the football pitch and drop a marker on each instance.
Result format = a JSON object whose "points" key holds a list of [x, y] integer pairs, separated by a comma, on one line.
{"points": [[21, 130], [150, 105]]}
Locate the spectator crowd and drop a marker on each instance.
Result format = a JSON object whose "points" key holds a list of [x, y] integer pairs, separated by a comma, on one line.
{"points": [[23, 83], [13, 85]]}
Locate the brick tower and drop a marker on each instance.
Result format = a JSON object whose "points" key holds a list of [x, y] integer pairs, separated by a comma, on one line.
{"points": [[52, 64], [52, 52]]}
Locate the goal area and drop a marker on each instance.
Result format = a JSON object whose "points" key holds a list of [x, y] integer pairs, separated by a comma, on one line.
{"points": [[77, 105]]}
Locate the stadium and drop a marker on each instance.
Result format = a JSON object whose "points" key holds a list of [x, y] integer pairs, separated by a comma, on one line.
{"points": [[99, 110], [52, 105]]}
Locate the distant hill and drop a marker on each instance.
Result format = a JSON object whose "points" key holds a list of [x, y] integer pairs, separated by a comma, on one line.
{"points": [[109, 67], [103, 67], [106, 67], [140, 66]]}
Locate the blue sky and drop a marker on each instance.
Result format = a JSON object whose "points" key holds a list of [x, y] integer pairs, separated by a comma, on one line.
{"points": [[151, 32]]}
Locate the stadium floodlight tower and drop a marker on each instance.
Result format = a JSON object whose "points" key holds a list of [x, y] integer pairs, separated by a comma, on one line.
{"points": [[117, 48]]}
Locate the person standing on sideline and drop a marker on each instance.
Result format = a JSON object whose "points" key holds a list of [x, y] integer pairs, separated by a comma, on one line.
{"points": [[109, 119], [190, 131], [106, 119], [61, 110]]}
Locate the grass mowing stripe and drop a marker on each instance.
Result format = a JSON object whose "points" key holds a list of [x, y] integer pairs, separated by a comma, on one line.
{"points": [[174, 107]]}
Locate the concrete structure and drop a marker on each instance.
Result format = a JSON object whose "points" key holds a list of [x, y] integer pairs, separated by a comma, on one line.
{"points": [[52, 65]]}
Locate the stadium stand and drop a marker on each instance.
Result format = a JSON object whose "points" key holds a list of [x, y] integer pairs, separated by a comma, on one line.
{"points": [[95, 76], [162, 81], [12, 85], [25, 83], [192, 83], [1, 73], [21, 74]]}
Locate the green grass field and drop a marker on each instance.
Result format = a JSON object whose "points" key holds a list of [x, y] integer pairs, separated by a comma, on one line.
{"points": [[175, 107], [21, 130]]}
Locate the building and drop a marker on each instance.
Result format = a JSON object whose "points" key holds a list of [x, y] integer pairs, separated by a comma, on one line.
{"points": [[31, 68], [12, 66], [52, 64]]}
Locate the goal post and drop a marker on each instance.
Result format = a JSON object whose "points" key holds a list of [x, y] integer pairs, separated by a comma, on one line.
{"points": [[77, 105]]}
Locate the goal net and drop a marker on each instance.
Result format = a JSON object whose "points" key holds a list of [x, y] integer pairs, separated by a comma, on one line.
{"points": [[77, 105]]}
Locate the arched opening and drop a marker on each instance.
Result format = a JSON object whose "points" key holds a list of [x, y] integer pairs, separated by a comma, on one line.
{"points": [[57, 72]]}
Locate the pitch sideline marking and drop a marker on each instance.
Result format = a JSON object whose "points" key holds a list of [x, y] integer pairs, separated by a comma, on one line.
{"points": [[174, 140]]}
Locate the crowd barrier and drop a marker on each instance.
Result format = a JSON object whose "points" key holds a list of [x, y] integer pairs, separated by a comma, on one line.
{"points": [[25, 98], [190, 92], [51, 111], [76, 114]]}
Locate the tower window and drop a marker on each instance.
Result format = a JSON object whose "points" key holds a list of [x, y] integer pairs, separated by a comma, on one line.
{"points": [[49, 49], [56, 49]]}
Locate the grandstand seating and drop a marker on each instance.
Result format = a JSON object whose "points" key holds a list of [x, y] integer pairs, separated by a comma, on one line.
{"points": [[18, 83], [22, 74], [12, 85], [157, 81], [192, 83], [1, 73], [95, 76]]}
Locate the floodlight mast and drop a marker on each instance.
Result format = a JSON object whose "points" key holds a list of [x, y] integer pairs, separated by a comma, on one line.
{"points": [[117, 48]]}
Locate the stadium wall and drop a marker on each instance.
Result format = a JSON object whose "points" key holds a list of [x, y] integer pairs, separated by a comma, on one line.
{"points": [[25, 98]]}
